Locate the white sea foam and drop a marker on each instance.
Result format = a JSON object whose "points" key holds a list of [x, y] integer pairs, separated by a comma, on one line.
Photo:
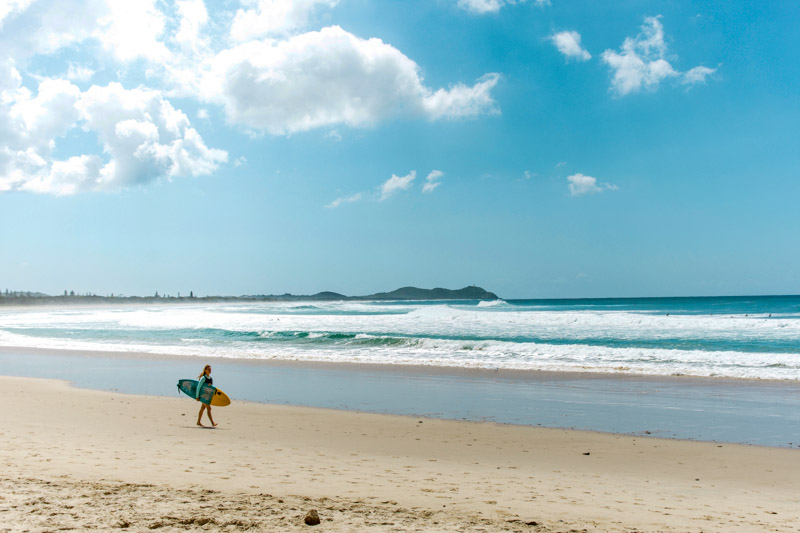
{"points": [[491, 303], [494, 336]]}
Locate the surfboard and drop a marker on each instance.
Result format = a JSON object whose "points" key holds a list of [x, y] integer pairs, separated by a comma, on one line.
{"points": [[209, 394]]}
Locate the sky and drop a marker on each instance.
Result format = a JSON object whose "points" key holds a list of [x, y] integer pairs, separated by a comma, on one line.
{"points": [[538, 149]]}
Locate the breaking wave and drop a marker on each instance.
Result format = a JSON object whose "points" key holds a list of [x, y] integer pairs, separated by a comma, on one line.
{"points": [[611, 336]]}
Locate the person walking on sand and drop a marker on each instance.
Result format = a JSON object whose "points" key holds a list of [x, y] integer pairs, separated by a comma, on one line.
{"points": [[205, 379]]}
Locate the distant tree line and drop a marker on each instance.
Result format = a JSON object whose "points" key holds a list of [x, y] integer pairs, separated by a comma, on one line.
{"points": [[9, 297]]}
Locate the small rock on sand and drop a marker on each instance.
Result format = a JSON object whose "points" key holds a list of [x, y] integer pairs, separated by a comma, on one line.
{"points": [[312, 518]]}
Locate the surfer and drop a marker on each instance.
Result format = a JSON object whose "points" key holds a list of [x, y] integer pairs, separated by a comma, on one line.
{"points": [[205, 379]]}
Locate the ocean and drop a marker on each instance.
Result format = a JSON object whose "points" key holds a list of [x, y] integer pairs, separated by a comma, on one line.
{"points": [[733, 337]]}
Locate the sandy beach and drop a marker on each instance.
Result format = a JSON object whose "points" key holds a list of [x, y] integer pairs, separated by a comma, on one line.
{"points": [[76, 459]]}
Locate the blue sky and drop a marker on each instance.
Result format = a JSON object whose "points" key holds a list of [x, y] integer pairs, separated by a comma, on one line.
{"points": [[537, 149]]}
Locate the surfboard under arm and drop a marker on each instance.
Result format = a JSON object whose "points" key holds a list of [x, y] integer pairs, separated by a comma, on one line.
{"points": [[209, 395]]}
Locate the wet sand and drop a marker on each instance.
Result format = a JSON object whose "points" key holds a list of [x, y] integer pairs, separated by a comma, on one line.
{"points": [[758, 412], [75, 459]]}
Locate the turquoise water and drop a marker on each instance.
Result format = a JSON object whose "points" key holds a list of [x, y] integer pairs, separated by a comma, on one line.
{"points": [[737, 337]]}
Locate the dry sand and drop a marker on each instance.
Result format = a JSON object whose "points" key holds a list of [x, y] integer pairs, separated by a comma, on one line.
{"points": [[74, 459]]}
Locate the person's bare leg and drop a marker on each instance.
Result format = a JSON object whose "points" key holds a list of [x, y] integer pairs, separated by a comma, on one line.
{"points": [[208, 410], [200, 415]]}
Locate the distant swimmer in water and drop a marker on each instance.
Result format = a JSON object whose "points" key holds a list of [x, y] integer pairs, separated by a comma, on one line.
{"points": [[205, 379]]}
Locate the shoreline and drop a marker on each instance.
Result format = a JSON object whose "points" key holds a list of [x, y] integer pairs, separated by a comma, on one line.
{"points": [[269, 464], [753, 412], [501, 373]]}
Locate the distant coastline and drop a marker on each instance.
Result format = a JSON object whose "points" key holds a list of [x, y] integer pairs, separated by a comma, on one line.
{"points": [[403, 293]]}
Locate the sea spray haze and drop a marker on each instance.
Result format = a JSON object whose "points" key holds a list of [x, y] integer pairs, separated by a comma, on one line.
{"points": [[738, 337]]}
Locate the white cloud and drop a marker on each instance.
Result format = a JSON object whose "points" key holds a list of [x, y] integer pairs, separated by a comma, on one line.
{"points": [[462, 101], [397, 183], [330, 77], [569, 44], [46, 26], [10, 7], [274, 17], [50, 114], [580, 185], [430, 187], [193, 18], [10, 78], [78, 173], [697, 75], [279, 85], [285, 82], [79, 73], [133, 30], [126, 29], [391, 187], [641, 63], [345, 200], [432, 181], [482, 7], [144, 138]]}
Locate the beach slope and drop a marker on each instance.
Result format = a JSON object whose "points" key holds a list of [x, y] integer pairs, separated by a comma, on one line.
{"points": [[75, 459]]}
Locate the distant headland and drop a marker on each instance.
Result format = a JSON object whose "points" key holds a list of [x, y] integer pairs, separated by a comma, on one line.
{"points": [[403, 293]]}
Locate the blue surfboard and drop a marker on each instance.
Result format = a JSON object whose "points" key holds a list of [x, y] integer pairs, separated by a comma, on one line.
{"points": [[209, 394]]}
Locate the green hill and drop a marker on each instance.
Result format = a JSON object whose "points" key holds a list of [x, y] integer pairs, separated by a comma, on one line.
{"points": [[414, 293]]}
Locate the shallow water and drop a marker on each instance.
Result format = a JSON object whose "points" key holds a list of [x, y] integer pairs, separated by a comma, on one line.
{"points": [[741, 411]]}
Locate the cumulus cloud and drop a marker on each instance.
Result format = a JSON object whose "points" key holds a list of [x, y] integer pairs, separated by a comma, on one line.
{"points": [[580, 185], [482, 7], [259, 65], [289, 82], [193, 18], [330, 77], [397, 183], [126, 30], [462, 101], [40, 119], [133, 30], [10, 78], [432, 181], [641, 62], [144, 138], [10, 7], [569, 44], [274, 17], [46, 26]]}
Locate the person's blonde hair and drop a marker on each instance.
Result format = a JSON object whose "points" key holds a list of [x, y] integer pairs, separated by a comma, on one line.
{"points": [[204, 371]]}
